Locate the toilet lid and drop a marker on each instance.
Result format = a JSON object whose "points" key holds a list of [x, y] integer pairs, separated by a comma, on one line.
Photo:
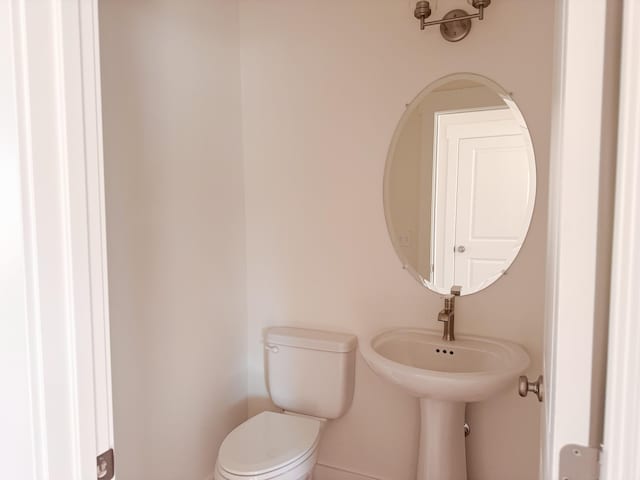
{"points": [[266, 442]]}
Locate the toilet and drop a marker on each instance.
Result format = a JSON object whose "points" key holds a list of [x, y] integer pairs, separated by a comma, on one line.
{"points": [[310, 377]]}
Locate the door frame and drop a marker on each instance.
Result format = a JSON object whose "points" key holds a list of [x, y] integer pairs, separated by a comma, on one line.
{"points": [[56, 72], [621, 452], [577, 287]]}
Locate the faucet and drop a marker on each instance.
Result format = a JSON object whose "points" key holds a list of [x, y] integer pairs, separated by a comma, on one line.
{"points": [[447, 314]]}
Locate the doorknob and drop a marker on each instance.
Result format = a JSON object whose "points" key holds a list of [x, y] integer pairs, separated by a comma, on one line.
{"points": [[525, 386], [461, 249]]}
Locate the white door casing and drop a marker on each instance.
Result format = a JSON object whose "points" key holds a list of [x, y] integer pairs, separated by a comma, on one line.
{"points": [[58, 135], [484, 195], [576, 133], [621, 451]]}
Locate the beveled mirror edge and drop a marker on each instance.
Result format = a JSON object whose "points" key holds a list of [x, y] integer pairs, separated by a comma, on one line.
{"points": [[410, 107]]}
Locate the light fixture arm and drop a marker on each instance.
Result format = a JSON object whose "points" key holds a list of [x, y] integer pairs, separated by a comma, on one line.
{"points": [[423, 11], [424, 24]]}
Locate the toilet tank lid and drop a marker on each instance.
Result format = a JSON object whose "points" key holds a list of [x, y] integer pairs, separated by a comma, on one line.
{"points": [[312, 339]]}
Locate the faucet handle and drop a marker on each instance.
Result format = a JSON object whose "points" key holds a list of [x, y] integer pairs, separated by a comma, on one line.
{"points": [[456, 290]]}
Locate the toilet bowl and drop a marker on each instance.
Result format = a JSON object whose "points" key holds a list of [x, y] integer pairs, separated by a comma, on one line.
{"points": [[269, 446], [310, 376]]}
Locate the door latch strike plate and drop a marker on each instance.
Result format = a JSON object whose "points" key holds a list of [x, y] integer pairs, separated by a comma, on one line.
{"points": [[578, 462], [105, 465]]}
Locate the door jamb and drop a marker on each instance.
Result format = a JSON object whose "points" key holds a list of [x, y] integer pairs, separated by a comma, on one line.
{"points": [[574, 189], [621, 451]]}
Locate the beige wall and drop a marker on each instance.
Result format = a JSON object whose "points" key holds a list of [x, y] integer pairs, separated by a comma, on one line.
{"points": [[175, 227], [323, 86]]}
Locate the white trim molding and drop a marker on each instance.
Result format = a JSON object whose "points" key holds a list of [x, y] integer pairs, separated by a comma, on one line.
{"points": [[573, 227], [328, 472], [56, 71], [621, 450]]}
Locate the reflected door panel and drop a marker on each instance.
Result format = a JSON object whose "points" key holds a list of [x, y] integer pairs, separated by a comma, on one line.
{"points": [[484, 196]]}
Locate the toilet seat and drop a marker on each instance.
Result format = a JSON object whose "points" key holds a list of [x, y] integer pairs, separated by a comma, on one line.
{"points": [[268, 446]]}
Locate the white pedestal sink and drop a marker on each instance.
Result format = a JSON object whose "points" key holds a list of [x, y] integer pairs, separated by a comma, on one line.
{"points": [[445, 376]]}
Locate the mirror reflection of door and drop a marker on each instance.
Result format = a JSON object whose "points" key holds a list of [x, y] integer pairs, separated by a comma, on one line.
{"points": [[459, 184], [482, 196]]}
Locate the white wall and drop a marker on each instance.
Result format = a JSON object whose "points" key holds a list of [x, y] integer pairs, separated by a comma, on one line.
{"points": [[323, 86], [175, 227]]}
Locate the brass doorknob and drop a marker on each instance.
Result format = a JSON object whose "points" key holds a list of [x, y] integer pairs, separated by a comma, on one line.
{"points": [[525, 387]]}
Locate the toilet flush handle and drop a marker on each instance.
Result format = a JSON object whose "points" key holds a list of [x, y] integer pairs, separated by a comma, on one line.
{"points": [[272, 348]]}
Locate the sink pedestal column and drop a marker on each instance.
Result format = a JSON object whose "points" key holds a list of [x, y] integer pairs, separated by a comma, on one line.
{"points": [[442, 443]]}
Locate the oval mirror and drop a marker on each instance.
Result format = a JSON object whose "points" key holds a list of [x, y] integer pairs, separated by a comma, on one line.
{"points": [[460, 184]]}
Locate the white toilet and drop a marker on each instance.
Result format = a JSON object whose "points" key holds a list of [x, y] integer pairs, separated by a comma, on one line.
{"points": [[310, 375]]}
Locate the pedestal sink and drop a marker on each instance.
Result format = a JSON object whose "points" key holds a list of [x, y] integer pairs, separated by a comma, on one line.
{"points": [[445, 376]]}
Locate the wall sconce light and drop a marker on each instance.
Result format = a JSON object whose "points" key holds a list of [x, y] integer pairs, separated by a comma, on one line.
{"points": [[456, 24]]}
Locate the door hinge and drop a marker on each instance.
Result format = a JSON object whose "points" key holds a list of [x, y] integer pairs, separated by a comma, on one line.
{"points": [[105, 465], [578, 462]]}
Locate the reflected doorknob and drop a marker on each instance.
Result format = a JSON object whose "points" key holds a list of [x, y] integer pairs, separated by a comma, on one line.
{"points": [[525, 387], [461, 249]]}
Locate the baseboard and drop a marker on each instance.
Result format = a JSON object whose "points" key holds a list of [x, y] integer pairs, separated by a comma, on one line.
{"points": [[327, 472]]}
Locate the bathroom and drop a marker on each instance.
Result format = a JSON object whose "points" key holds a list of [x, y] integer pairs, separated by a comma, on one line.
{"points": [[245, 149]]}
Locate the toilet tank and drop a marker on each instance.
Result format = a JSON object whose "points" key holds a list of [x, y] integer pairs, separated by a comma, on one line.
{"points": [[310, 371]]}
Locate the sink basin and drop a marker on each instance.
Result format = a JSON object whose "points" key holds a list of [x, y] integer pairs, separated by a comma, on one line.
{"points": [[445, 376], [469, 369]]}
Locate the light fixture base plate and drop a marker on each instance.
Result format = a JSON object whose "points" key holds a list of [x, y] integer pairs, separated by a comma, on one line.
{"points": [[455, 31]]}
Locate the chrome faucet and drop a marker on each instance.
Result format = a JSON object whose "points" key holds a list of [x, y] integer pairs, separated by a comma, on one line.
{"points": [[447, 314]]}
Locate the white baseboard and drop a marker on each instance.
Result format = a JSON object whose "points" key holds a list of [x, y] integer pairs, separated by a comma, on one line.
{"points": [[327, 472]]}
